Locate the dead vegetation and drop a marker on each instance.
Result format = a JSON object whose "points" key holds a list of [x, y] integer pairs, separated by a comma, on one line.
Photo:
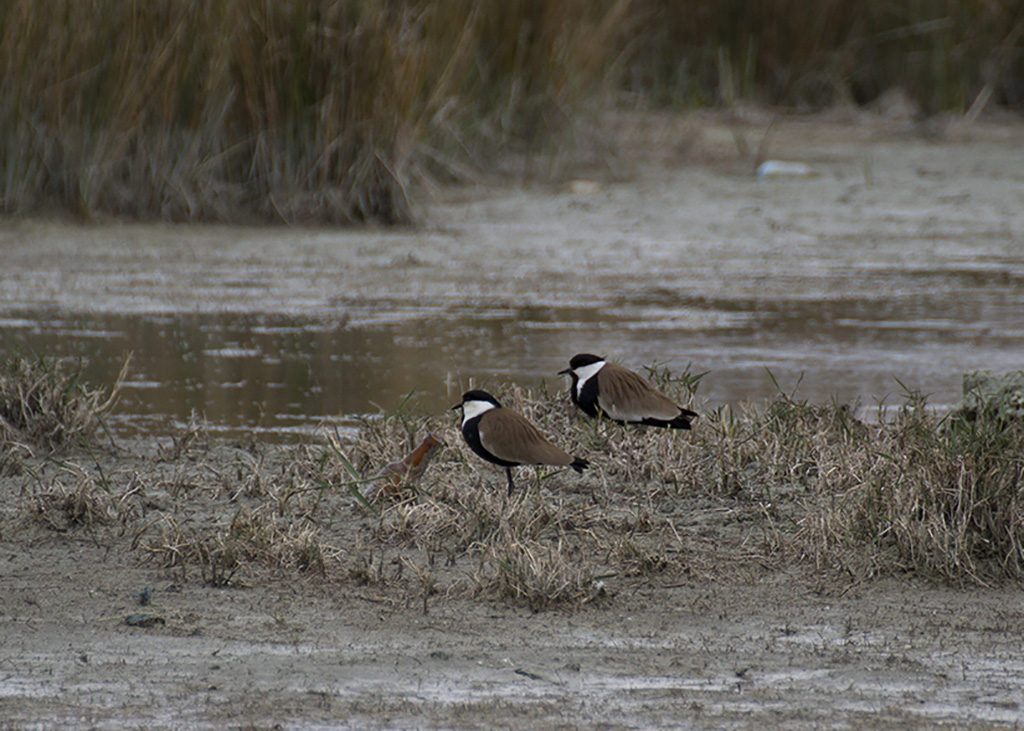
{"points": [[749, 490], [85, 504], [333, 111], [251, 536], [943, 500], [43, 403]]}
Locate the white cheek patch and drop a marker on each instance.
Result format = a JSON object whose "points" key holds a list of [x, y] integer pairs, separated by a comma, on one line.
{"points": [[585, 373], [473, 409]]}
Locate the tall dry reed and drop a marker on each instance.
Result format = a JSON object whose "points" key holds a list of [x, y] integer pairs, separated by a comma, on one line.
{"points": [[327, 110], [298, 110]]}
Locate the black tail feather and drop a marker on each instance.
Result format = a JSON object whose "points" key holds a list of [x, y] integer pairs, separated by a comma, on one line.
{"points": [[579, 464]]}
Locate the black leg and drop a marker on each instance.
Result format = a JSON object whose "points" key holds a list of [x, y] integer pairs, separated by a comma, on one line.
{"points": [[508, 473]]}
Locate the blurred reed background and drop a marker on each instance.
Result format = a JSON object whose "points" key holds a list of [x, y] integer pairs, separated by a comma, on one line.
{"points": [[318, 111]]}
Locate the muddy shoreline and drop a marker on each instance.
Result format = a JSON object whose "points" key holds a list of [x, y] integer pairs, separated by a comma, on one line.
{"points": [[900, 260]]}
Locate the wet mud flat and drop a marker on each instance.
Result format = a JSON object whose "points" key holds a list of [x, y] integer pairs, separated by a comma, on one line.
{"points": [[727, 633]]}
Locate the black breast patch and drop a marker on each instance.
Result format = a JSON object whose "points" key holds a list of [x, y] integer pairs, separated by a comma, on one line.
{"points": [[587, 399]]}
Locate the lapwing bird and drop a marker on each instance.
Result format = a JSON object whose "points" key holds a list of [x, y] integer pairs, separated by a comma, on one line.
{"points": [[601, 388], [503, 437]]}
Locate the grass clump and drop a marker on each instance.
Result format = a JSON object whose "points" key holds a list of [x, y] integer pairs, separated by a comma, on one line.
{"points": [[86, 505], [748, 491], [44, 403], [941, 499], [250, 537], [540, 575], [78, 498]]}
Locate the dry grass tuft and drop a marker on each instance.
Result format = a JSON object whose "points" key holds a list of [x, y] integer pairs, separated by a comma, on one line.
{"points": [[44, 403], [944, 500], [539, 574], [252, 536], [88, 504], [13, 454], [179, 548]]}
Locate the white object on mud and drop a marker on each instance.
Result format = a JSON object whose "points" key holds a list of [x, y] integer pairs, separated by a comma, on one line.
{"points": [[583, 187], [772, 169]]}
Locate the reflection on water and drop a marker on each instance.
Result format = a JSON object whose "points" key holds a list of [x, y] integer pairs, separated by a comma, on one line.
{"points": [[282, 375], [278, 375]]}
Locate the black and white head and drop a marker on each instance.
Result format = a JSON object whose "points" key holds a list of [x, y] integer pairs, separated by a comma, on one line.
{"points": [[582, 368], [475, 404]]}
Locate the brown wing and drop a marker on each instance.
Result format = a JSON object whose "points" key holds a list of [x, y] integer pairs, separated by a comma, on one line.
{"points": [[625, 396], [508, 436]]}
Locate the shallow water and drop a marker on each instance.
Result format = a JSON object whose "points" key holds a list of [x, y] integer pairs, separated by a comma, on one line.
{"points": [[843, 286]]}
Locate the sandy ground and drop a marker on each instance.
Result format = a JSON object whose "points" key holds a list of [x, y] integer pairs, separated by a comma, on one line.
{"points": [[725, 636]]}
